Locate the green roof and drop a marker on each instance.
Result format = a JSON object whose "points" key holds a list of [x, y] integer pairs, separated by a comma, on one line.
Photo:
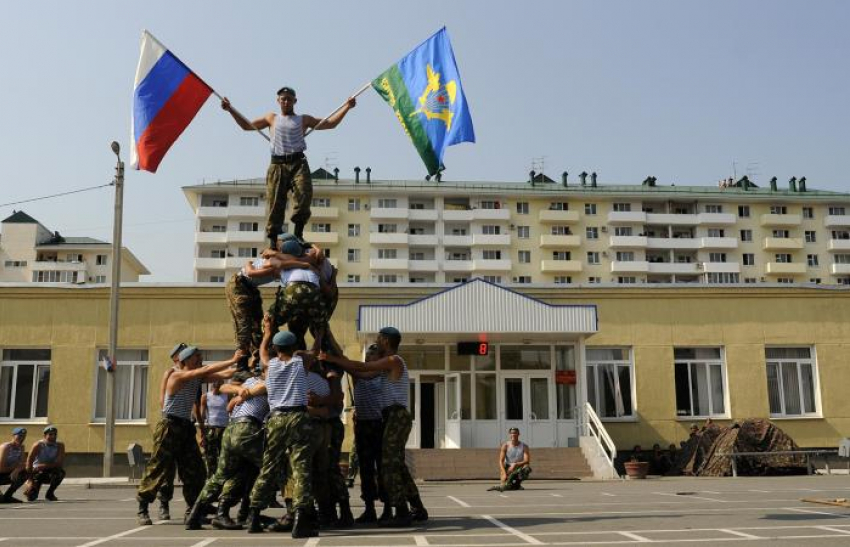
{"points": [[19, 217]]}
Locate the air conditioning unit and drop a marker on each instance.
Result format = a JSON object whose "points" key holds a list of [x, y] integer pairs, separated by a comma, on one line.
{"points": [[604, 229]]}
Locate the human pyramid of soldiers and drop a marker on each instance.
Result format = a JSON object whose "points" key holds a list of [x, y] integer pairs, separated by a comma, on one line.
{"points": [[271, 419]]}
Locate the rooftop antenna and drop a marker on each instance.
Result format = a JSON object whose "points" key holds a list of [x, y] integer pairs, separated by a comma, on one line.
{"points": [[331, 161], [753, 170], [538, 164]]}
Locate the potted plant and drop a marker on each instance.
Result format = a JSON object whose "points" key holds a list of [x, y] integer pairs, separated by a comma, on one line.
{"points": [[636, 469]]}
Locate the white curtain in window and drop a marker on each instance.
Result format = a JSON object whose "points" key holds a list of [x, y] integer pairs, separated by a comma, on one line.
{"points": [[791, 387]]}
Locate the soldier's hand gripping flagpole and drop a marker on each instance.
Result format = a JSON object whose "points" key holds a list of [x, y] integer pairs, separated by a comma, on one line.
{"points": [[340, 107]]}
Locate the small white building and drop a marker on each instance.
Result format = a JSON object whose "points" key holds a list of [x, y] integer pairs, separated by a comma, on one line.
{"points": [[30, 253]]}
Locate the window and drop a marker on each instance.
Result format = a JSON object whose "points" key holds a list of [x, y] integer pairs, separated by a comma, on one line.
{"points": [[16, 264], [749, 259], [625, 256], [74, 257], [218, 253], [561, 231], [592, 232], [247, 201], [843, 280], [353, 204], [590, 208], [321, 227], [783, 258], [713, 208], [418, 206], [100, 279], [811, 236], [321, 202], [523, 232], [841, 234], [489, 205], [387, 203], [836, 211], [560, 255], [744, 211], [353, 278], [387, 253], [808, 212], [387, 228], [492, 255], [750, 280], [354, 255], [491, 230], [778, 210], [593, 257], [524, 257], [101, 260], [609, 382], [623, 231], [563, 280], [353, 230], [559, 206], [627, 279], [492, 278], [841, 259], [24, 384], [522, 279], [522, 208], [387, 278], [815, 280], [717, 257], [716, 232], [786, 280], [54, 277], [131, 385], [622, 207], [791, 381], [460, 279], [720, 278], [247, 252], [216, 279], [249, 227], [746, 235], [812, 261], [699, 382], [594, 279], [458, 231], [781, 234], [218, 228]]}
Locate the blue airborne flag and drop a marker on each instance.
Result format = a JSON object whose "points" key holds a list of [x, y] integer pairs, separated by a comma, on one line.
{"points": [[424, 91]]}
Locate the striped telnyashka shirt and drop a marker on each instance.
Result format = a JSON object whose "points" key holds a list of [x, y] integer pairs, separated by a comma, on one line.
{"points": [[216, 409], [287, 135], [369, 397], [256, 407], [318, 384], [298, 274], [180, 404], [397, 393], [286, 382]]}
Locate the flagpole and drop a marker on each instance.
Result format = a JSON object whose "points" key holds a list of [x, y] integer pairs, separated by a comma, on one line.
{"points": [[234, 111], [323, 120]]}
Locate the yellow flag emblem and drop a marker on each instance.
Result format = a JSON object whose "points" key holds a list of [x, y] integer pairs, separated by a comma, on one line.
{"points": [[436, 100]]}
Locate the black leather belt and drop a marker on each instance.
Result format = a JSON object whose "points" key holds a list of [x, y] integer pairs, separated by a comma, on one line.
{"points": [[245, 420], [386, 411], [178, 419], [288, 158], [287, 410]]}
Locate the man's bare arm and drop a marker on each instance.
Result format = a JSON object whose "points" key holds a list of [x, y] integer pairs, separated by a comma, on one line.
{"points": [[180, 377], [332, 121], [243, 122]]}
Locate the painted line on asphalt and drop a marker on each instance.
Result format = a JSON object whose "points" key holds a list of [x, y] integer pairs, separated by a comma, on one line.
{"points": [[609, 495], [556, 495], [205, 542], [635, 537], [833, 529], [523, 536], [459, 502], [312, 542], [739, 534], [695, 497], [117, 536], [421, 541], [503, 496], [813, 512]]}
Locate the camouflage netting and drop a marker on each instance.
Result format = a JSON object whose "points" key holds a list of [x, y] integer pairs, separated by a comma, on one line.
{"points": [[706, 453]]}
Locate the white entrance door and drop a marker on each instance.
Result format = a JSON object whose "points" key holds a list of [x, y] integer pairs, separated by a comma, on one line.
{"points": [[413, 440], [452, 406], [527, 404]]}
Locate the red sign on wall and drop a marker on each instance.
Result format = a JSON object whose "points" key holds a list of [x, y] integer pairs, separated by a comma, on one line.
{"points": [[567, 377]]}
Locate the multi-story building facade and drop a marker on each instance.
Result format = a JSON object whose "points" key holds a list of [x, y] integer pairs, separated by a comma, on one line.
{"points": [[399, 232], [30, 253]]}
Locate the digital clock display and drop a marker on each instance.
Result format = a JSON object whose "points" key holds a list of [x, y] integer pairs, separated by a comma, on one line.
{"points": [[473, 348]]}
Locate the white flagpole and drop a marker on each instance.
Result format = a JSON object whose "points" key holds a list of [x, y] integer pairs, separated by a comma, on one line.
{"points": [[340, 107]]}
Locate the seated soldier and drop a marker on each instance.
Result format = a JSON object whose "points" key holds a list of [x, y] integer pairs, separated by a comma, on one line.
{"points": [[44, 464], [514, 462], [13, 465]]}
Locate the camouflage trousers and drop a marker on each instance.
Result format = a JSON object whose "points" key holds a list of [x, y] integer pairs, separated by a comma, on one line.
{"points": [[238, 464], [53, 477], [212, 447], [300, 303], [280, 179], [14, 483], [246, 308], [399, 484], [174, 443], [336, 482], [288, 436], [516, 477], [369, 440], [166, 490]]}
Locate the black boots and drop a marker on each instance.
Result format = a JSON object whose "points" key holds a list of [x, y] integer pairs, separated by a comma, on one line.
{"points": [[222, 520], [346, 519], [418, 513], [401, 519], [253, 523], [193, 519], [327, 514], [164, 512], [142, 516], [304, 525], [369, 516], [386, 513], [299, 231]]}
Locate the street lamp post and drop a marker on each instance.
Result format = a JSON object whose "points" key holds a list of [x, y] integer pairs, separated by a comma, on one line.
{"points": [[109, 429]]}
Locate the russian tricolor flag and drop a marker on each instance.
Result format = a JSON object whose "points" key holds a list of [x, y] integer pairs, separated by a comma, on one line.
{"points": [[166, 98]]}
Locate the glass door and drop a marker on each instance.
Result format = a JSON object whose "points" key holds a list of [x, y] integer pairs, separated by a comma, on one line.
{"points": [[453, 411], [540, 423], [514, 405]]}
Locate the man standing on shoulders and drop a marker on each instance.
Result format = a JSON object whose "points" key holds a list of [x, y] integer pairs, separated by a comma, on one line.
{"points": [[289, 169], [44, 464], [13, 465], [514, 461]]}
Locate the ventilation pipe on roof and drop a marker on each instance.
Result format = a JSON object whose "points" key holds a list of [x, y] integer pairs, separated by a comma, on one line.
{"points": [[336, 174], [792, 184], [802, 184], [593, 179], [744, 182], [368, 175], [531, 177], [357, 175], [773, 185], [564, 176], [583, 177]]}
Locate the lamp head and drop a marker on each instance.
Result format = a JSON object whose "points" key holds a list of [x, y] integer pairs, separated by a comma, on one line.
{"points": [[116, 148]]}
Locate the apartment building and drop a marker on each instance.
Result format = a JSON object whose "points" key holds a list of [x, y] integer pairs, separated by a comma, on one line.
{"points": [[541, 232], [31, 253]]}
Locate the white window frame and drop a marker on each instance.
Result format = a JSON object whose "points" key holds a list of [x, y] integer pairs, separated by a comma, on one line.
{"points": [[594, 399], [353, 255], [723, 382], [522, 208], [590, 208], [321, 202], [812, 361], [353, 204], [523, 232], [353, 230], [142, 397], [592, 232], [14, 364], [524, 257]]}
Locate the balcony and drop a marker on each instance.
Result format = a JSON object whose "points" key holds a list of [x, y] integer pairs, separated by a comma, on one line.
{"points": [[246, 237], [561, 266], [626, 217], [551, 240], [379, 238], [55, 266], [836, 220], [210, 237], [491, 240], [631, 266], [457, 266], [212, 212], [839, 269], [236, 262], [680, 268], [457, 215], [423, 240], [322, 238], [672, 219], [781, 220], [716, 219], [389, 264], [784, 268], [628, 242], [677, 243], [324, 213], [457, 241], [718, 243], [422, 214], [838, 245], [721, 267], [490, 214], [481, 265], [207, 263], [246, 211], [558, 217], [430, 265], [396, 213], [782, 243]]}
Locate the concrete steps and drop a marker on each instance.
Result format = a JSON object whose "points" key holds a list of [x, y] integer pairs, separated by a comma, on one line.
{"points": [[480, 463]]}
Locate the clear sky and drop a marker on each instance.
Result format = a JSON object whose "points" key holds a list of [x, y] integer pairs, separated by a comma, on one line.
{"points": [[685, 91]]}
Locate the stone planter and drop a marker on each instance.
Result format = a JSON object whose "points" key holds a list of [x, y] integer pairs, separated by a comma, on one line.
{"points": [[637, 470]]}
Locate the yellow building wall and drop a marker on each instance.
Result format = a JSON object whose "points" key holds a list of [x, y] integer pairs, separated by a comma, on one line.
{"points": [[72, 322]]}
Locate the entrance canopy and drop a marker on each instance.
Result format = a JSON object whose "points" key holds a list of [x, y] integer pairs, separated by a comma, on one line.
{"points": [[476, 310]]}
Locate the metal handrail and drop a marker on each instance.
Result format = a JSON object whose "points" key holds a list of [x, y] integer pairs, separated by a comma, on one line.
{"points": [[592, 426]]}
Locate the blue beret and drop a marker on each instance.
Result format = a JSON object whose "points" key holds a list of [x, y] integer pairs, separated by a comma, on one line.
{"points": [[284, 338], [50, 428], [286, 236], [177, 349], [390, 331], [292, 247], [19, 431], [187, 352]]}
